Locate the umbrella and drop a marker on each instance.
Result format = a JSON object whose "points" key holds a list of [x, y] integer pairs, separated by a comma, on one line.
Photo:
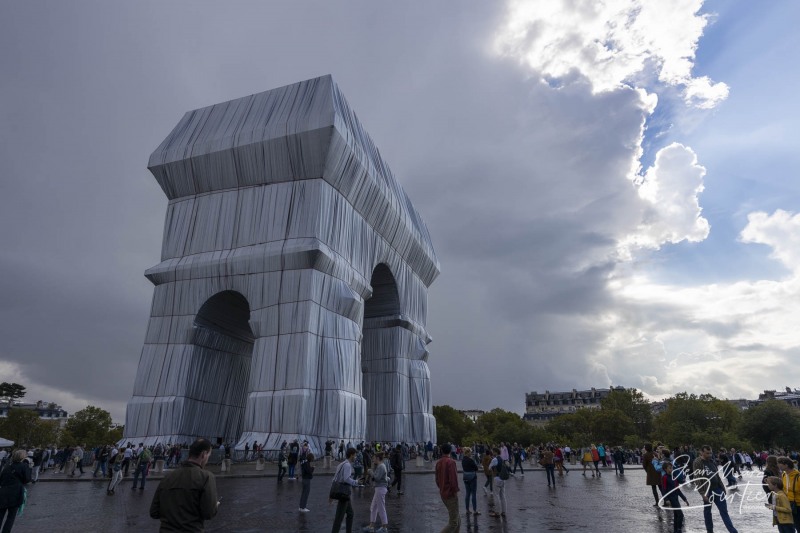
{"points": [[4, 443]]}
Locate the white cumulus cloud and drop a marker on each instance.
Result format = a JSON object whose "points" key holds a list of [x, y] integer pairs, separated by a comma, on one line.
{"points": [[672, 211], [780, 231], [611, 42]]}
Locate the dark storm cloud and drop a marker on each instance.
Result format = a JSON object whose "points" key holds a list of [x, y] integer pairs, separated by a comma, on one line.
{"points": [[524, 187]]}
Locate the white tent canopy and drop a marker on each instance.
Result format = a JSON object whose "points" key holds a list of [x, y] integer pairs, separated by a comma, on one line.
{"points": [[5, 442]]}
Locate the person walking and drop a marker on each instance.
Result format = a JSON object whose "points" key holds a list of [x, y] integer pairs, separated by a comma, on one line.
{"points": [[653, 478], [13, 478], [344, 476], [77, 457], [707, 480], [380, 478], [282, 465], [502, 474], [142, 465], [306, 474], [559, 461], [470, 474], [397, 463], [187, 496], [487, 460], [447, 481], [116, 471], [619, 461], [546, 460], [516, 452]]}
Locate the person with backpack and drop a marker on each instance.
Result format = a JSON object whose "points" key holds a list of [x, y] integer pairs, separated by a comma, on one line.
{"points": [[142, 464], [14, 475], [501, 470]]}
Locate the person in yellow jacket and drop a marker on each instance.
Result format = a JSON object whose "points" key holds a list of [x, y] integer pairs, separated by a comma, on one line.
{"points": [[791, 486], [779, 504]]}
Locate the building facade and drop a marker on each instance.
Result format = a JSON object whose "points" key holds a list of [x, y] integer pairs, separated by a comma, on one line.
{"points": [[541, 408], [45, 410]]}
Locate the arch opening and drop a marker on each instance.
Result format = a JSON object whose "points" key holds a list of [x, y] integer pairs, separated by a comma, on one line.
{"points": [[223, 348]]}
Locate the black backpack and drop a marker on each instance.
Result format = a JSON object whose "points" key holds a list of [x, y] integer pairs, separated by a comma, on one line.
{"points": [[502, 469]]}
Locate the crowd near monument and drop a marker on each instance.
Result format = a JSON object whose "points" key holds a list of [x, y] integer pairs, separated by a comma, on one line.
{"points": [[291, 297]]}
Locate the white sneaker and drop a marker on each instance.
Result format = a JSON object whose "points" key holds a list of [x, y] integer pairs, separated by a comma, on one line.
{"points": [[304, 510]]}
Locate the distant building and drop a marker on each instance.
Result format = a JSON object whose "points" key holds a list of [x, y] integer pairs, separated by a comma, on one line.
{"points": [[542, 408], [46, 411], [792, 397], [473, 414]]}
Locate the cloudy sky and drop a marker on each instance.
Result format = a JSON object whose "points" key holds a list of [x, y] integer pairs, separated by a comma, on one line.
{"points": [[612, 187]]}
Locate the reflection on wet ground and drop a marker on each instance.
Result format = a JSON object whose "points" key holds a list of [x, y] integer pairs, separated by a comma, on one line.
{"points": [[606, 504]]}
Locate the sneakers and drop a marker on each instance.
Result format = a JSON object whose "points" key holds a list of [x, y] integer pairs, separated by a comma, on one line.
{"points": [[304, 510], [382, 529]]}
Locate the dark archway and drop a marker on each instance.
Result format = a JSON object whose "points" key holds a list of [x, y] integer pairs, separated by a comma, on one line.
{"points": [[380, 380], [223, 347], [385, 300]]}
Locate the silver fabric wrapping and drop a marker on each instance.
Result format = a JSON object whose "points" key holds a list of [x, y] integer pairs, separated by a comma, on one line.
{"points": [[290, 301]]}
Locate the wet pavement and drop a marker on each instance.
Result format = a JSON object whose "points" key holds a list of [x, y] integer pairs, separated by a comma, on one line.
{"points": [[253, 502]]}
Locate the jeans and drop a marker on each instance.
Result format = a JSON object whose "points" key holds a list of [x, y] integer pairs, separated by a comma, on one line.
{"points": [[398, 479], [140, 470], [10, 515], [343, 508], [378, 506], [489, 483], [471, 489], [453, 521], [101, 465], [550, 470], [304, 494], [677, 515], [116, 478], [291, 470], [517, 461], [722, 506], [499, 484], [281, 473]]}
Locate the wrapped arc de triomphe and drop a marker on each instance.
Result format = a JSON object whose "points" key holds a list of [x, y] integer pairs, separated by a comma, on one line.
{"points": [[291, 297]]}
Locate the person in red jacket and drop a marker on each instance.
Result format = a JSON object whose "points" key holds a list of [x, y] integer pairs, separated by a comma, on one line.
{"points": [[447, 481]]}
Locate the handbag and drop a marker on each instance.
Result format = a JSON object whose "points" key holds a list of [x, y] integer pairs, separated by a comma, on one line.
{"points": [[470, 476], [339, 489]]}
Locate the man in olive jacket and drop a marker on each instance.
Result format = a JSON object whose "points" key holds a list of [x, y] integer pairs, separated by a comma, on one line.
{"points": [[187, 495]]}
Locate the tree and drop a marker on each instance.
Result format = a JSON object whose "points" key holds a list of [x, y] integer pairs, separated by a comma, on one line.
{"points": [[632, 403], [772, 424], [692, 419], [11, 391], [611, 426], [88, 426], [451, 424], [25, 428]]}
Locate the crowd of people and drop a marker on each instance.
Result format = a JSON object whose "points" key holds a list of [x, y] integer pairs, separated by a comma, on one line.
{"points": [[380, 465]]}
